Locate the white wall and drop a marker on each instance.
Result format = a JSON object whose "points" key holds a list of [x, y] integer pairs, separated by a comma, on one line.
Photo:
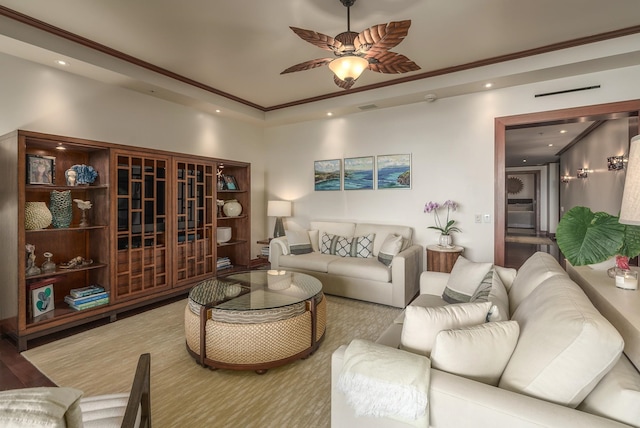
{"points": [[452, 144], [602, 189], [44, 99]]}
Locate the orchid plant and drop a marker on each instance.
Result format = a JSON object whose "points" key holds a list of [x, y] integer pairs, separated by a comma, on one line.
{"points": [[448, 227]]}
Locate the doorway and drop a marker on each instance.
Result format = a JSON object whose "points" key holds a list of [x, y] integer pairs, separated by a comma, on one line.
{"points": [[572, 115]]}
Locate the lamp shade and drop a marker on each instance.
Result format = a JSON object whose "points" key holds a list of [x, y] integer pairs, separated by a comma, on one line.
{"points": [[348, 67], [279, 209], [630, 209]]}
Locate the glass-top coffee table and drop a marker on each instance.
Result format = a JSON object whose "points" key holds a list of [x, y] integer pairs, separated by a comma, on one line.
{"points": [[255, 320]]}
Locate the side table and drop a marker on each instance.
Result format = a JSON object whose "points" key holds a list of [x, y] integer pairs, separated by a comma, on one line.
{"points": [[442, 259]]}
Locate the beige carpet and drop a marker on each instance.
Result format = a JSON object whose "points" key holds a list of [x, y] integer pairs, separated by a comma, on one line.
{"points": [[103, 360]]}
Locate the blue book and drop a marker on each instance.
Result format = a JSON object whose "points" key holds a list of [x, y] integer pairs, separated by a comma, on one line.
{"points": [[80, 300]]}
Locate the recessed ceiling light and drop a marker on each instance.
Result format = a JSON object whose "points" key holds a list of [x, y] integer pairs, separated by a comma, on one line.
{"points": [[524, 161], [62, 62], [488, 85], [218, 110], [329, 114], [550, 144], [563, 131], [60, 147]]}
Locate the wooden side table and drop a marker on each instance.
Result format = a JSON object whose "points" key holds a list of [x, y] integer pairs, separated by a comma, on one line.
{"points": [[442, 259]]}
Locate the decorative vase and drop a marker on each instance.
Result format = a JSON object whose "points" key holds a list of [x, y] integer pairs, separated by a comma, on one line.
{"points": [[36, 215], [223, 234], [232, 208], [445, 241], [61, 208]]}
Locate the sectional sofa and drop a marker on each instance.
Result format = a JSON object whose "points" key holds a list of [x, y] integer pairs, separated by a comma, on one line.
{"points": [[373, 262], [546, 356]]}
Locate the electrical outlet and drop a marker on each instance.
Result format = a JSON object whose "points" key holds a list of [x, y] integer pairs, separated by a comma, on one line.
{"points": [[487, 218], [478, 218]]}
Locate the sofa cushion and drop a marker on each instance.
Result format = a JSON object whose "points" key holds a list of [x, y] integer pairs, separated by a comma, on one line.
{"points": [[368, 268], [299, 242], [479, 352], [617, 396], [40, 407], [382, 231], [422, 325], [492, 290], [334, 228], [314, 237], [313, 261], [507, 275], [565, 347], [390, 248], [533, 272], [464, 280], [425, 301]]}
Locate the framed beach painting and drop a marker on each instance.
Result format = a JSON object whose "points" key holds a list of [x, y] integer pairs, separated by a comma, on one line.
{"points": [[327, 174], [358, 173], [394, 171]]}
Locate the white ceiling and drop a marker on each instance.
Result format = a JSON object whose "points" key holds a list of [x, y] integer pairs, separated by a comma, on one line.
{"points": [[238, 48]]}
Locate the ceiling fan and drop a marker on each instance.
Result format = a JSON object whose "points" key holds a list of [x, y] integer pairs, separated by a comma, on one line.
{"points": [[355, 52]]}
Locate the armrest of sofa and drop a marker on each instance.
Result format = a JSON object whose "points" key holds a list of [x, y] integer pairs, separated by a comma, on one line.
{"points": [[455, 401], [277, 247], [406, 267], [433, 282]]}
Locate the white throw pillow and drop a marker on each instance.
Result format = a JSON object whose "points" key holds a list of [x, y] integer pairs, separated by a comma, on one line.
{"points": [[41, 407], [479, 352], [314, 237], [464, 280], [390, 248], [422, 325], [299, 242], [492, 290]]}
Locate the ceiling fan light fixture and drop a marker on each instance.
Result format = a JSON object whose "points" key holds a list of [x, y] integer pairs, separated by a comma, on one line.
{"points": [[348, 67]]}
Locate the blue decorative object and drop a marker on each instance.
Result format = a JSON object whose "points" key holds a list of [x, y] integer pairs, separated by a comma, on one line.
{"points": [[86, 174], [61, 208]]}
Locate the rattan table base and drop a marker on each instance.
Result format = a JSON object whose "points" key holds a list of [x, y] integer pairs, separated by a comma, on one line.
{"points": [[258, 346]]}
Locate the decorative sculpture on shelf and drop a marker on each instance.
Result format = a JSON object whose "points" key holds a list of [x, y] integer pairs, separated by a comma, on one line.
{"points": [[84, 206], [85, 174], [48, 266], [32, 269]]}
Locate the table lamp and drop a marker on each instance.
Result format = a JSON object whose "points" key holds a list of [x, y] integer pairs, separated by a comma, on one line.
{"points": [[630, 209], [278, 209]]}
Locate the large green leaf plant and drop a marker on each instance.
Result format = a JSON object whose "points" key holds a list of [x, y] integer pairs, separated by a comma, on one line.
{"points": [[585, 237]]}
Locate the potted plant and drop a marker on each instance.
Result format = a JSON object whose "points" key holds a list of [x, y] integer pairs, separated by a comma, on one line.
{"points": [[446, 228], [585, 237]]}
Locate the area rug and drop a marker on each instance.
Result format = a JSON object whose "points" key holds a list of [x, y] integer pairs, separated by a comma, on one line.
{"points": [[103, 360]]}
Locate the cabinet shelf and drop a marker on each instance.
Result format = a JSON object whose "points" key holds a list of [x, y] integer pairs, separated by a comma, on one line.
{"points": [[59, 272], [238, 217], [49, 188], [229, 243], [66, 229]]}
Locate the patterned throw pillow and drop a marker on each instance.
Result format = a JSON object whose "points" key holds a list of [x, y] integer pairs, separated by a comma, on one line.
{"points": [[360, 246], [299, 242], [491, 289], [464, 280], [390, 248]]}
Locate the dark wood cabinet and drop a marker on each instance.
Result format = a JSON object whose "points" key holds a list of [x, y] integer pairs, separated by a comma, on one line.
{"points": [[149, 235]]}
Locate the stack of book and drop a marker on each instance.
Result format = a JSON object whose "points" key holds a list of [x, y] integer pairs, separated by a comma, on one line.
{"points": [[224, 263], [87, 297], [264, 251]]}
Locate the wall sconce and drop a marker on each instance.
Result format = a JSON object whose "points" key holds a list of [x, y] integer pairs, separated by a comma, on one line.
{"points": [[615, 163], [565, 178], [583, 172]]}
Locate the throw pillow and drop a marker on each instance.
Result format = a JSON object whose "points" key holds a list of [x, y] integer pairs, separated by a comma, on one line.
{"points": [[422, 325], [479, 352], [359, 246], [465, 278], [390, 248], [314, 238], [492, 290], [299, 242]]}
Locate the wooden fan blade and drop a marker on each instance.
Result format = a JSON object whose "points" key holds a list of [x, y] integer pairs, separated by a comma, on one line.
{"points": [[318, 39], [392, 63], [382, 36], [308, 65], [343, 83]]}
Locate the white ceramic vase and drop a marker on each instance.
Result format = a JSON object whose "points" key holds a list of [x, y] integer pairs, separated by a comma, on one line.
{"points": [[445, 241], [232, 208], [36, 216]]}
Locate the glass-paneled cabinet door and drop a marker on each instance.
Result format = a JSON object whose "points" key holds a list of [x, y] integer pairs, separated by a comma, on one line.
{"points": [[141, 200], [195, 220]]}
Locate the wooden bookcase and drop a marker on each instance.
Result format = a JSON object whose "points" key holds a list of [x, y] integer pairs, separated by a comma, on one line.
{"points": [[151, 232]]}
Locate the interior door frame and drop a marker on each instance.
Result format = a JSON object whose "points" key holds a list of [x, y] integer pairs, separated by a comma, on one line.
{"points": [[606, 111]]}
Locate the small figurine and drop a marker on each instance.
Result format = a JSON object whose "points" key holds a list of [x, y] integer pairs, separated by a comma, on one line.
{"points": [[48, 265], [84, 206], [32, 269], [72, 176]]}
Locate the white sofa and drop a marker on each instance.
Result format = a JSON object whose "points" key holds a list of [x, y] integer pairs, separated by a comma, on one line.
{"points": [[354, 277], [567, 368]]}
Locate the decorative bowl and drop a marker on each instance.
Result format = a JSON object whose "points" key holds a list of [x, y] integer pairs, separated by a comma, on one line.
{"points": [[223, 234]]}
